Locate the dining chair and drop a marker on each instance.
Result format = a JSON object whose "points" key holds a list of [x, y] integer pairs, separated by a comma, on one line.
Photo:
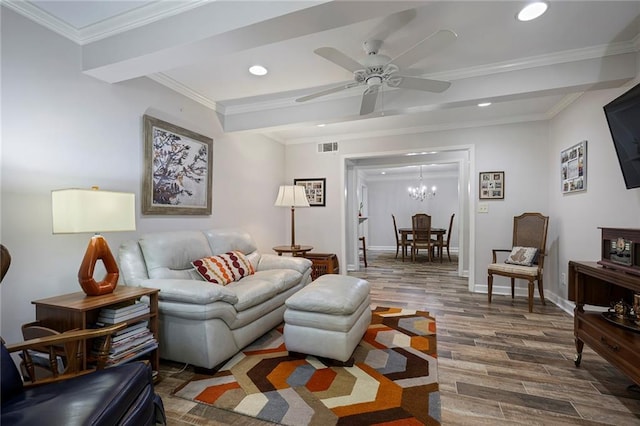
{"points": [[526, 256], [445, 243], [399, 242], [364, 249], [421, 232]]}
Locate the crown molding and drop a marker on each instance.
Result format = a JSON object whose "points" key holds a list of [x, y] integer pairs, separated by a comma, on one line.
{"points": [[564, 102], [117, 24], [44, 19], [592, 52], [176, 86]]}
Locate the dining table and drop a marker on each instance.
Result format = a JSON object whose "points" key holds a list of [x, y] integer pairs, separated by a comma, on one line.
{"points": [[437, 232]]}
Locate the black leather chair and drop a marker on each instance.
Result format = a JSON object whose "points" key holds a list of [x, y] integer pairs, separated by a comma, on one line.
{"points": [[120, 395]]}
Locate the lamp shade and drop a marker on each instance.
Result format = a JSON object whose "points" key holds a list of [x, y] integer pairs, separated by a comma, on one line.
{"points": [[91, 210], [291, 196]]}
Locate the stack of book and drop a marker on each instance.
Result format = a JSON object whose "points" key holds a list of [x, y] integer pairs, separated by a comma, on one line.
{"points": [[119, 313], [129, 343]]}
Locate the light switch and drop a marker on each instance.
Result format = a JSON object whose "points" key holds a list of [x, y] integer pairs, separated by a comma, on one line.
{"points": [[483, 207]]}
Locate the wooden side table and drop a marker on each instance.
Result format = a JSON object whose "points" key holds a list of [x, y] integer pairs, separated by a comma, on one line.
{"points": [[77, 310], [298, 251]]}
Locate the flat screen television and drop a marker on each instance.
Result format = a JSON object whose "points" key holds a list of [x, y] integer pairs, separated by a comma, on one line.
{"points": [[623, 116]]}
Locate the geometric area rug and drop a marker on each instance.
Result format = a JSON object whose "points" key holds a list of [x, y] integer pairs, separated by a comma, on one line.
{"points": [[393, 380]]}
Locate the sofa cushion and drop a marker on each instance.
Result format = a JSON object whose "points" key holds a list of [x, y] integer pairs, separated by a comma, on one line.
{"points": [[252, 291], [283, 279], [224, 268], [225, 240], [190, 291], [272, 261], [169, 254], [524, 256]]}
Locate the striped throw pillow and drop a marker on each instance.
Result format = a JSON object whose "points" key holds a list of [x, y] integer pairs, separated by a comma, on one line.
{"points": [[224, 268]]}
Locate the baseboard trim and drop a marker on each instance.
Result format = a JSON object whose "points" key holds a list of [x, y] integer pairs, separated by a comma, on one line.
{"points": [[552, 297]]}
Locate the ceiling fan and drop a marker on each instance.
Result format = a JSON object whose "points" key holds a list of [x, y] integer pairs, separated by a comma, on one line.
{"points": [[376, 69]]}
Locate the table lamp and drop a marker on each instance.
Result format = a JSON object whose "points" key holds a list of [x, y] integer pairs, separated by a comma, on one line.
{"points": [[292, 196], [77, 211]]}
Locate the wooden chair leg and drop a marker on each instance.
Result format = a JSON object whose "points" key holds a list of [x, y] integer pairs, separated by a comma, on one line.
{"points": [[541, 291], [364, 250], [397, 250], [490, 285], [531, 296], [513, 286], [448, 255]]}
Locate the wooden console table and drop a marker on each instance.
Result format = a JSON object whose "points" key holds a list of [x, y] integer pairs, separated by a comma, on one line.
{"points": [[593, 284]]}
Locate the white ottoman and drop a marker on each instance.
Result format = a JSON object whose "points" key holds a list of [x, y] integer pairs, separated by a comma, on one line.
{"points": [[328, 317]]}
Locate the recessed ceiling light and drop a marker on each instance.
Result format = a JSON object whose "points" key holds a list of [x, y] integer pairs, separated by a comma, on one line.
{"points": [[383, 173], [321, 125], [258, 70], [532, 11], [484, 104]]}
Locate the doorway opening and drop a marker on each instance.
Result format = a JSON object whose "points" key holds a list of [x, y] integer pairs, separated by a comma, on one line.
{"points": [[362, 174]]}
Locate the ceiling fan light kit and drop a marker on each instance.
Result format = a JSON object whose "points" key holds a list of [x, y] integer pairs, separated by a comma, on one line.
{"points": [[377, 70]]}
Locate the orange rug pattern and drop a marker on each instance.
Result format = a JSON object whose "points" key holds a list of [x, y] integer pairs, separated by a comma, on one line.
{"points": [[393, 380]]}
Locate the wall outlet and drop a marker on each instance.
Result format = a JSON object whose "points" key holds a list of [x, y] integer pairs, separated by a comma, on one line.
{"points": [[563, 279], [483, 207]]}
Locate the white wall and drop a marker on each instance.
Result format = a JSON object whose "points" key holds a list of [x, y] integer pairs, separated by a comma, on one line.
{"points": [[573, 231], [391, 197], [63, 129], [520, 150]]}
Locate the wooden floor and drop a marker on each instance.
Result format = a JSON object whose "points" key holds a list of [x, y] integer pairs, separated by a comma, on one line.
{"points": [[498, 364]]}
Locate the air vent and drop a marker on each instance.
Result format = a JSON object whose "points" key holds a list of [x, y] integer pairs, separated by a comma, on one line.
{"points": [[328, 147]]}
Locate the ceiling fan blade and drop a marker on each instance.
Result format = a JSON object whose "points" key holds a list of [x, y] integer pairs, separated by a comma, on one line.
{"points": [[328, 91], [424, 84], [424, 48], [391, 24], [369, 99], [338, 58]]}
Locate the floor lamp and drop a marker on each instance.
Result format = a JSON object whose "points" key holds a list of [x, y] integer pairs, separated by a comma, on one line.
{"points": [[77, 211], [292, 196]]}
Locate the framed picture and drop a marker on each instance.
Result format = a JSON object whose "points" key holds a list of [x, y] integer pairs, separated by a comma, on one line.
{"points": [[573, 168], [178, 170], [491, 185], [315, 189]]}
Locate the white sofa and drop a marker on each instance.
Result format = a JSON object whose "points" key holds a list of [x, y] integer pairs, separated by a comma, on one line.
{"points": [[202, 323]]}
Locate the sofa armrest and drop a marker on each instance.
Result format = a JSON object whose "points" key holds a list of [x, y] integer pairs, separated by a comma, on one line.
{"points": [[272, 261], [190, 291]]}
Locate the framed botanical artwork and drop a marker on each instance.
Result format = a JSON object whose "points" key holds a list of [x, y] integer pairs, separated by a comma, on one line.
{"points": [[178, 170], [491, 185], [315, 190], [573, 168]]}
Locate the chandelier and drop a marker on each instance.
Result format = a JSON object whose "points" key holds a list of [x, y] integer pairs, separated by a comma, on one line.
{"points": [[421, 192]]}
